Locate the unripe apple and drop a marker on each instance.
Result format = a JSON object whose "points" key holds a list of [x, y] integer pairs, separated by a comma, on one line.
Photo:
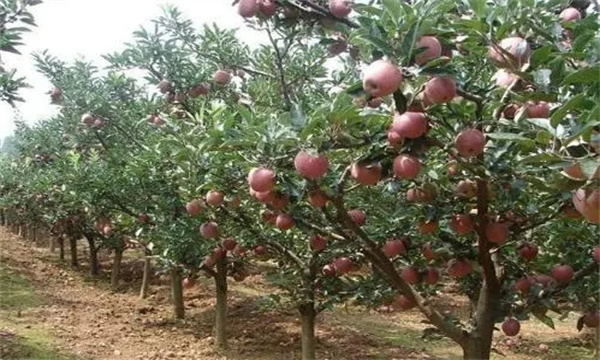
{"points": [[470, 142], [209, 230], [381, 78], [261, 179], [432, 49], [539, 109], [528, 251], [357, 216], [563, 274], [497, 232], [511, 327], [229, 244], [440, 89], [340, 8], [248, 8], [165, 86], [517, 47], [432, 275], [462, 224], [393, 248], [214, 198], [317, 198], [193, 207], [222, 77], [342, 265], [309, 166], [284, 222], [570, 14], [317, 243], [406, 166], [410, 275], [366, 173], [410, 125]]}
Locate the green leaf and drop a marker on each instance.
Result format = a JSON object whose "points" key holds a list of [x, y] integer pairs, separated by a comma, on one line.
{"points": [[583, 76], [379, 44], [561, 112], [478, 7], [394, 8], [589, 166], [507, 136], [410, 38], [542, 159], [540, 55], [547, 320]]}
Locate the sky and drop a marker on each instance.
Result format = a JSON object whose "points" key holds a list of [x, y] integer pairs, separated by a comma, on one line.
{"points": [[72, 29]]}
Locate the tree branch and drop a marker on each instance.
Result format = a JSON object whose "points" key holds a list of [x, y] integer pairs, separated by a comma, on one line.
{"points": [[280, 69], [485, 259], [478, 100], [326, 13]]}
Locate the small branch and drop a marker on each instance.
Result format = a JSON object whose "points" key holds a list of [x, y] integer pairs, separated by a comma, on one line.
{"points": [[208, 270], [485, 259], [254, 72], [339, 188], [280, 69], [506, 96], [478, 100]]}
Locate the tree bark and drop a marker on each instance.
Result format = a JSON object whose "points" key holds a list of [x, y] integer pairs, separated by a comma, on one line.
{"points": [[177, 293], [145, 278], [61, 248], [73, 245], [116, 268], [94, 266], [221, 308], [480, 338], [52, 243], [308, 315]]}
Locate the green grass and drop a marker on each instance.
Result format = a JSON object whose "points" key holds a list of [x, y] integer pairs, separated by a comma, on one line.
{"points": [[17, 293]]}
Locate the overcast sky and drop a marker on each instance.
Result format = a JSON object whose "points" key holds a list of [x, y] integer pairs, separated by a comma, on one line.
{"points": [[90, 28]]}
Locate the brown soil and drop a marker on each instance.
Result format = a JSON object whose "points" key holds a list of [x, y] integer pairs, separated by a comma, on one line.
{"points": [[91, 321]]}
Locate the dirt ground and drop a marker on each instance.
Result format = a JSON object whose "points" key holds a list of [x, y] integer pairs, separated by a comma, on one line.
{"points": [[48, 310]]}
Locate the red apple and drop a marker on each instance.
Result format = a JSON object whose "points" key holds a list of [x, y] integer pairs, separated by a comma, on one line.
{"points": [[317, 243], [562, 274], [328, 270], [248, 8], [497, 232], [229, 244], [342, 265], [394, 138], [144, 218], [539, 109], [596, 253], [428, 227], [403, 303], [432, 49], [432, 275], [366, 173], [193, 207], [523, 285], [165, 86], [260, 250], [317, 198], [428, 252], [222, 77], [381, 78], [462, 224], [340, 8], [587, 202], [410, 125], [440, 89], [504, 78], [410, 275], [309, 166], [267, 8], [592, 319], [188, 283], [470, 142], [393, 248], [261, 179], [88, 119], [209, 230], [511, 327], [570, 14], [406, 166], [214, 198], [357, 216], [284, 222], [528, 251], [517, 47], [466, 189], [458, 268]]}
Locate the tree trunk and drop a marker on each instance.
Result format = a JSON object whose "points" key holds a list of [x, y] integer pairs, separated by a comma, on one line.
{"points": [[52, 243], [94, 266], [479, 344], [177, 293], [221, 309], [61, 248], [308, 315], [2, 217], [145, 277], [116, 268], [73, 244]]}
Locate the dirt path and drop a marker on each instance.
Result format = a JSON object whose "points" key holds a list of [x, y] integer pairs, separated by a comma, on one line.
{"points": [[89, 321]]}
